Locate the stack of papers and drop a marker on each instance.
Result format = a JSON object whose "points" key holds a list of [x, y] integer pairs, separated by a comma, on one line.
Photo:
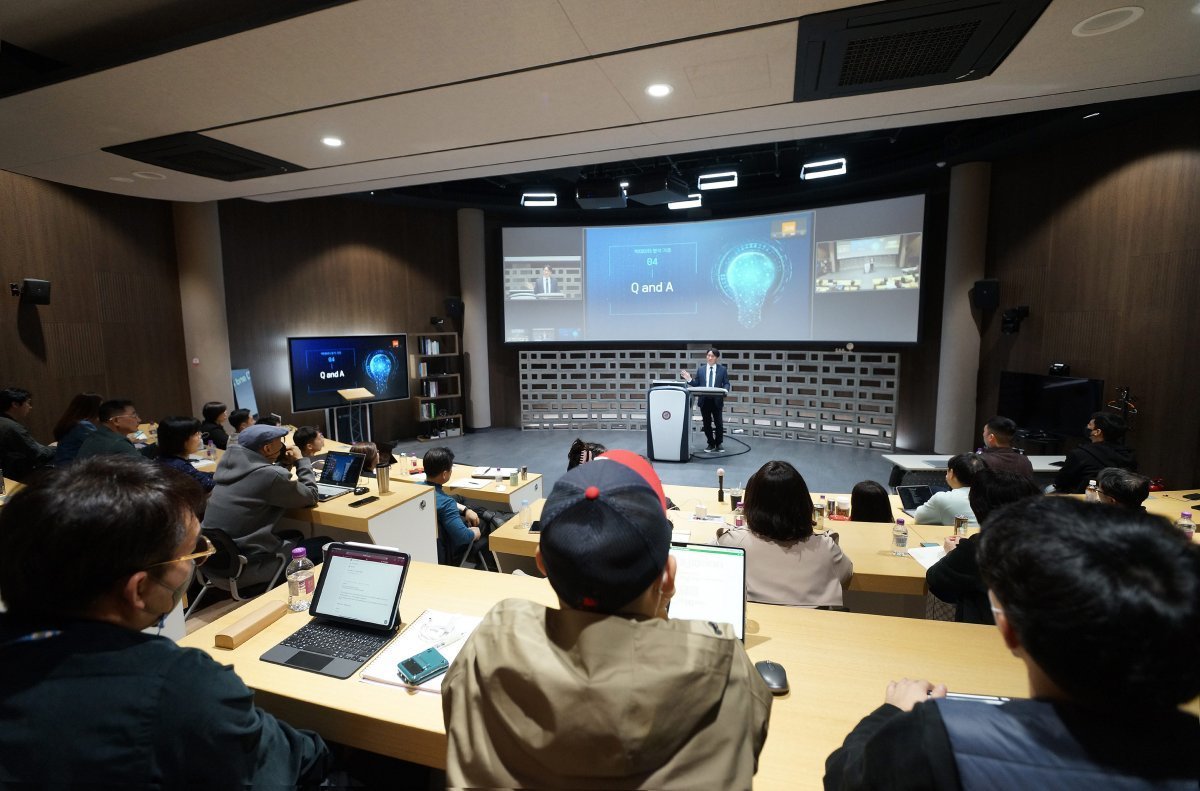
{"points": [[927, 556], [445, 630]]}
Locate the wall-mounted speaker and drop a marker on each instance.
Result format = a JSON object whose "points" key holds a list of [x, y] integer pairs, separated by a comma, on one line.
{"points": [[986, 294], [454, 307], [35, 292]]}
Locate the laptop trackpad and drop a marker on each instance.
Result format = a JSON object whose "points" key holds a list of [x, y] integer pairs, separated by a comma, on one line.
{"points": [[309, 661]]}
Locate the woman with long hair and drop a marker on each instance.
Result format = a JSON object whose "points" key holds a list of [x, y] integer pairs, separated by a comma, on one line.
{"points": [[80, 419]]}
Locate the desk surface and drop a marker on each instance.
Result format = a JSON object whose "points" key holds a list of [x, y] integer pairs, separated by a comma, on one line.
{"points": [[838, 665], [935, 462]]}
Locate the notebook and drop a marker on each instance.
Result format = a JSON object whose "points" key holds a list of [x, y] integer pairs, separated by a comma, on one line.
{"points": [[913, 497], [710, 585], [355, 611], [339, 475]]}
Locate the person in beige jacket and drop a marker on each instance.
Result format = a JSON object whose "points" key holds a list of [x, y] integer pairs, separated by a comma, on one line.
{"points": [[786, 563], [606, 691]]}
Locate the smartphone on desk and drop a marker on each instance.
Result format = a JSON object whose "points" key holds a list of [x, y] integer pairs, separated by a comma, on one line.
{"points": [[536, 527], [421, 667]]}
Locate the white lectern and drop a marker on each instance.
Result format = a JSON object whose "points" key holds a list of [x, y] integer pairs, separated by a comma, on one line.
{"points": [[668, 412]]}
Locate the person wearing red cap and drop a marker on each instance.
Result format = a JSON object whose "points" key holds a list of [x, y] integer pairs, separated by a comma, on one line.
{"points": [[606, 691]]}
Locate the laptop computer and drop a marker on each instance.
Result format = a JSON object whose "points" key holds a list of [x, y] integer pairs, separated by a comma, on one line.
{"points": [[355, 611], [339, 475], [913, 497], [710, 585]]}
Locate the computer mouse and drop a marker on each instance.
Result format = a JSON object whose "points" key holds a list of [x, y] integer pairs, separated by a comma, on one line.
{"points": [[361, 490], [775, 676]]}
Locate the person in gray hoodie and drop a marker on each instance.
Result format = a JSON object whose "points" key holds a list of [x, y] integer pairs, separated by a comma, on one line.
{"points": [[252, 492]]}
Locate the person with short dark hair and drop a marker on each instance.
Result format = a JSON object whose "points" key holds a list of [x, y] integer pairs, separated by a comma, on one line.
{"points": [[998, 453], [178, 438], [267, 420], [943, 507], [955, 578], [1105, 448], [458, 525], [370, 454], [603, 691], [711, 374], [94, 554], [582, 452], [546, 284], [240, 419], [252, 492], [20, 453], [869, 502], [1103, 606], [118, 419], [1122, 487], [786, 563], [79, 419], [309, 440], [214, 413]]}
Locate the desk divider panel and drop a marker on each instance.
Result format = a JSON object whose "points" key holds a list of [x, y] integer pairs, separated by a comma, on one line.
{"points": [[841, 398]]}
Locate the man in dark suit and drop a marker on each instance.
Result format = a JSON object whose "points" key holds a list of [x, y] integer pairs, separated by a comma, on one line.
{"points": [[711, 374], [545, 284]]}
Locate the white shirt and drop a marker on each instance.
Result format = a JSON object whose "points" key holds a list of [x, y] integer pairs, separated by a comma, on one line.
{"points": [[944, 506]]}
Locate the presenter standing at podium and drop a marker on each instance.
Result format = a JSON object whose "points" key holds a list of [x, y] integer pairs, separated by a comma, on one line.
{"points": [[711, 374], [546, 284]]}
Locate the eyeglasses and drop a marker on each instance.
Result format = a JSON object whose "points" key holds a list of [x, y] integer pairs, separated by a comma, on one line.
{"points": [[133, 415], [204, 550]]}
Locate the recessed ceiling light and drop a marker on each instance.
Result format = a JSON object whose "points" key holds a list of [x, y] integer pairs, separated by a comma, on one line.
{"points": [[1108, 21], [692, 202], [332, 142], [1090, 115], [149, 175], [717, 181], [823, 169], [659, 90], [539, 199], [122, 179]]}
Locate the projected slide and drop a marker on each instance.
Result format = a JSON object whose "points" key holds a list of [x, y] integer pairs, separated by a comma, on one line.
{"points": [[840, 273], [320, 367]]}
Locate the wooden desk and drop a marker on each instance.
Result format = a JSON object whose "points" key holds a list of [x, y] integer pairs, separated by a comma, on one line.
{"points": [[492, 495], [933, 462], [405, 517], [838, 666], [11, 487]]}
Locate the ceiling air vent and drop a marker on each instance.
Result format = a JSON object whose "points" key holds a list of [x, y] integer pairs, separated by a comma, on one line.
{"points": [[192, 152], [903, 44]]}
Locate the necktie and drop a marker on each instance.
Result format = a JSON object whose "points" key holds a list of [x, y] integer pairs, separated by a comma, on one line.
{"points": [[710, 376], [546, 285]]}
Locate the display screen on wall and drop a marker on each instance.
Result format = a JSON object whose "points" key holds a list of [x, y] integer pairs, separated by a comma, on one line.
{"points": [[320, 367], [1056, 405], [839, 273]]}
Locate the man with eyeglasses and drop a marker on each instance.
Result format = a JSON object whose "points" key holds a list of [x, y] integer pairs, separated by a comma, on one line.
{"points": [[93, 555], [118, 419], [1102, 605]]}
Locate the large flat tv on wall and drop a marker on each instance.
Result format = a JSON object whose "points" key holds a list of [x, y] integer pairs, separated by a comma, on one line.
{"points": [[1056, 405], [836, 273], [320, 367]]}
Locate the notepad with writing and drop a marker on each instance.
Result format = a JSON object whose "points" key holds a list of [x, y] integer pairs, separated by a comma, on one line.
{"points": [[434, 628]]}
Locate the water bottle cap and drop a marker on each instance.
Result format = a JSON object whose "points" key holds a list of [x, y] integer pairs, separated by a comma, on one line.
{"points": [[900, 523], [299, 552], [1185, 515]]}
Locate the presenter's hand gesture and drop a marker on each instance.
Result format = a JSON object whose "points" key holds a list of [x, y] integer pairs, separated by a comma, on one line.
{"points": [[687, 377]]}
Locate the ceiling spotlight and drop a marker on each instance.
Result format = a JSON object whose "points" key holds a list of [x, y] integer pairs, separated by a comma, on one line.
{"points": [[692, 202], [717, 181], [1090, 115], [823, 169], [332, 142], [658, 90], [539, 199]]}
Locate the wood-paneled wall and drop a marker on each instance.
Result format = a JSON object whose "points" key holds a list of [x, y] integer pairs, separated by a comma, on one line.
{"points": [[331, 266], [1100, 237], [113, 325]]}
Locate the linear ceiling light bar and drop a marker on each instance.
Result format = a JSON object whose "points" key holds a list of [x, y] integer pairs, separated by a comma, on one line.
{"points": [[539, 199], [717, 181], [823, 169], [692, 202]]}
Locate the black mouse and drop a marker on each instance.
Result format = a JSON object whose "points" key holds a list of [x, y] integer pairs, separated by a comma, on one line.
{"points": [[361, 490], [775, 676]]}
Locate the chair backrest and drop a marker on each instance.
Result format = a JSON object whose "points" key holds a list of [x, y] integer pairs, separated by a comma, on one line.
{"points": [[228, 561]]}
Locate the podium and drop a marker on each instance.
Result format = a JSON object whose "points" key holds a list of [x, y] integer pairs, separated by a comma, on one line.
{"points": [[668, 415]]}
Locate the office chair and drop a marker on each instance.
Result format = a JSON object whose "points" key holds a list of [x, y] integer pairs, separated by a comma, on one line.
{"points": [[233, 572]]}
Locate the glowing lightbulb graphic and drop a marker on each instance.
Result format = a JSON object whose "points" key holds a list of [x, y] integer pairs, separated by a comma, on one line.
{"points": [[750, 275], [380, 365]]}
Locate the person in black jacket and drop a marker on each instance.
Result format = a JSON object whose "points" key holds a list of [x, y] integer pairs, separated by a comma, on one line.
{"points": [[955, 578], [214, 413], [20, 453], [1106, 433], [1102, 605]]}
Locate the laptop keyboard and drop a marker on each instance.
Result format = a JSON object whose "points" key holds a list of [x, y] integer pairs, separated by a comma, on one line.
{"points": [[337, 641]]}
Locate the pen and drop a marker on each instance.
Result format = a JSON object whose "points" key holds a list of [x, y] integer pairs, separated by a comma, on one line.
{"points": [[450, 640]]}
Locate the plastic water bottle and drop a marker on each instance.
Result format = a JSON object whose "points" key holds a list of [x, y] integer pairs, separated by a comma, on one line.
{"points": [[525, 521], [900, 539], [210, 450], [1092, 495], [233, 440], [1186, 524], [300, 580]]}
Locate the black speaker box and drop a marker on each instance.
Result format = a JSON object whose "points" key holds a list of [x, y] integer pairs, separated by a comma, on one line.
{"points": [[657, 190], [986, 294], [35, 292], [454, 307]]}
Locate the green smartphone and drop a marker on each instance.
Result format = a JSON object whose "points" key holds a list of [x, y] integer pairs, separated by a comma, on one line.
{"points": [[423, 666]]}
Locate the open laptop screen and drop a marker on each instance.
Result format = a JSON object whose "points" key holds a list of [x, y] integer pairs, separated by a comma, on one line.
{"points": [[710, 585], [342, 469], [360, 585]]}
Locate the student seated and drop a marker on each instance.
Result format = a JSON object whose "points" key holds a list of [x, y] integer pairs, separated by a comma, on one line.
{"points": [[118, 419], [20, 453], [943, 507], [214, 413], [582, 452], [458, 525], [240, 420], [604, 691], [1122, 487], [1102, 605], [869, 502], [1105, 448], [370, 453], [178, 438], [93, 555], [955, 578], [309, 441], [81, 418], [786, 563]]}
